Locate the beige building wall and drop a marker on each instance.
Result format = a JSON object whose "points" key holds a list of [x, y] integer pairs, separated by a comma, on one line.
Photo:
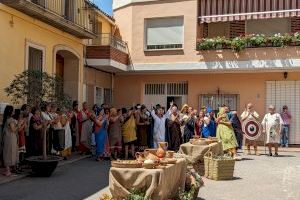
{"points": [[131, 21], [251, 87], [19, 30], [95, 78]]}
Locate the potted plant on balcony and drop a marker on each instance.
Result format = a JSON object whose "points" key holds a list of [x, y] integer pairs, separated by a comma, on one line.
{"points": [[34, 87]]}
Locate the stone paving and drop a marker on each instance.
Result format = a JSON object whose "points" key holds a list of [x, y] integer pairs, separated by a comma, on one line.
{"points": [[256, 178]]}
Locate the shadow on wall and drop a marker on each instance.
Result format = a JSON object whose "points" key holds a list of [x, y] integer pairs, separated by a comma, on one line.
{"points": [[260, 58]]}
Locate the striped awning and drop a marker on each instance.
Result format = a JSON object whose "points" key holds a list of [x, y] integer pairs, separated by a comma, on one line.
{"points": [[231, 10]]}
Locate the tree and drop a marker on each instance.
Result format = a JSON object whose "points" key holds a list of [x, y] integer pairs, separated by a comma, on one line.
{"points": [[35, 87]]}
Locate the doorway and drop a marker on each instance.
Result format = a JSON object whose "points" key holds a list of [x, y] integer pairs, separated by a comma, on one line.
{"points": [[176, 100], [67, 68]]}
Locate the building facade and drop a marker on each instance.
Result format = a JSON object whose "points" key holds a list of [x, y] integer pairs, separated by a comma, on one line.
{"points": [[56, 37], [46, 36], [167, 64]]}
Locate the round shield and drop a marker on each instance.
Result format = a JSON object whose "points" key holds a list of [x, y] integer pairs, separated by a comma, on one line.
{"points": [[252, 129]]}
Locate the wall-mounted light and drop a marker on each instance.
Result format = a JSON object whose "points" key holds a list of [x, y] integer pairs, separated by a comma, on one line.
{"points": [[11, 21], [285, 75]]}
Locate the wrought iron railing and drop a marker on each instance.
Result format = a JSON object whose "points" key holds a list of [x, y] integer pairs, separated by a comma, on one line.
{"points": [[81, 13], [106, 39]]}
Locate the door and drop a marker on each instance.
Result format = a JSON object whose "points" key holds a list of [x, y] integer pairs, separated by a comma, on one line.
{"points": [[280, 93], [177, 100], [59, 66]]}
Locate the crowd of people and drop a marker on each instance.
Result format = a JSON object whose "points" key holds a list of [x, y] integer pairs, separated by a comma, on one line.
{"points": [[108, 132]]}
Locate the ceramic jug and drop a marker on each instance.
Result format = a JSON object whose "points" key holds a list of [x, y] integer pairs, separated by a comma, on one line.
{"points": [[162, 148]]}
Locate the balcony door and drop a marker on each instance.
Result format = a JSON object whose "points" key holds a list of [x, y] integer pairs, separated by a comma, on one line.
{"points": [[70, 10]]}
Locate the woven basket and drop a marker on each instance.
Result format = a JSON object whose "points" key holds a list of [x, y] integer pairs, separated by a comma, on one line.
{"points": [[118, 164], [218, 168]]}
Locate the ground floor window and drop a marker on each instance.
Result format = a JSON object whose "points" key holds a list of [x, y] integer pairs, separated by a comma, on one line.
{"points": [[217, 100], [98, 96], [280, 93]]}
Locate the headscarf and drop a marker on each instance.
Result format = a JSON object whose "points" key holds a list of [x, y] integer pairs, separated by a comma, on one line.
{"points": [[222, 113], [183, 107], [209, 110]]}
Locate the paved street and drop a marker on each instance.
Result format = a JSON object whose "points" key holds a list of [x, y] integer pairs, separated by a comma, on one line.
{"points": [[256, 178], [70, 182]]}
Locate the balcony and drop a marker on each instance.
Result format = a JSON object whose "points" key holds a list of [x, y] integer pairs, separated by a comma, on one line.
{"points": [[76, 19], [108, 53]]}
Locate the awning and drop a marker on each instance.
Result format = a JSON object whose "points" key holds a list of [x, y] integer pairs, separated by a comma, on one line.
{"points": [[232, 10]]}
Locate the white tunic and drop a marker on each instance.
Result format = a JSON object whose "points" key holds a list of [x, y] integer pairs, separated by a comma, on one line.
{"points": [[272, 123], [159, 130]]}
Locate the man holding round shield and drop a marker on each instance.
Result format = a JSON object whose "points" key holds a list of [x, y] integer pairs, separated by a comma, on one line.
{"points": [[251, 128]]}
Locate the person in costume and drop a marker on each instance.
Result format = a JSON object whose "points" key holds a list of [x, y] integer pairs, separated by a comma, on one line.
{"points": [[226, 134], [129, 131], [189, 128], [209, 124], [175, 139], [272, 125], [159, 129], [237, 127], [143, 123], [85, 129], [250, 114]]}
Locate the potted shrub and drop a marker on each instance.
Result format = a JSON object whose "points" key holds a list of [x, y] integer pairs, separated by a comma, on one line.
{"points": [[35, 87]]}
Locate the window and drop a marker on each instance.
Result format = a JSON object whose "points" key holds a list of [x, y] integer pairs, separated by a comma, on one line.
{"points": [[221, 29], [35, 59], [107, 96], [269, 26], [154, 88], [164, 33], [217, 100], [98, 96]]}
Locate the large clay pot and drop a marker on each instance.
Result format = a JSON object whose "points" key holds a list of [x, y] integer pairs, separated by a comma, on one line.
{"points": [[162, 148]]}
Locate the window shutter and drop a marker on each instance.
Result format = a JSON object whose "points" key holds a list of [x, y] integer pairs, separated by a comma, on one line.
{"points": [[164, 32], [295, 24], [237, 28]]}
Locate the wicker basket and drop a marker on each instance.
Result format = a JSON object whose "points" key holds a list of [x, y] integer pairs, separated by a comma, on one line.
{"points": [[218, 168], [126, 164]]}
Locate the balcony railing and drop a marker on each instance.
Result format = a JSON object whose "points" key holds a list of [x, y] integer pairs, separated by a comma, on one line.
{"points": [[78, 19], [106, 39]]}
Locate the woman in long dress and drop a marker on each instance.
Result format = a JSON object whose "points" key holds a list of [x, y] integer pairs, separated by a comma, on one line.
{"points": [[143, 123], [65, 123], [175, 139], [115, 133], [10, 140], [189, 128], [35, 133], [85, 129], [272, 125], [225, 133], [74, 125], [129, 133]]}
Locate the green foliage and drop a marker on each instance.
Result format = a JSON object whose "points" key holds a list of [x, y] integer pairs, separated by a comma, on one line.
{"points": [[257, 40], [34, 87], [136, 195], [254, 40], [238, 44]]}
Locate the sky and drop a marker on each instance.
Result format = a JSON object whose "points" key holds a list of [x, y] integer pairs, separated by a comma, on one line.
{"points": [[105, 5]]}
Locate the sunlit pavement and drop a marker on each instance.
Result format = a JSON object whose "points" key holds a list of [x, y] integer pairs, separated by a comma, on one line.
{"points": [[259, 178]]}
